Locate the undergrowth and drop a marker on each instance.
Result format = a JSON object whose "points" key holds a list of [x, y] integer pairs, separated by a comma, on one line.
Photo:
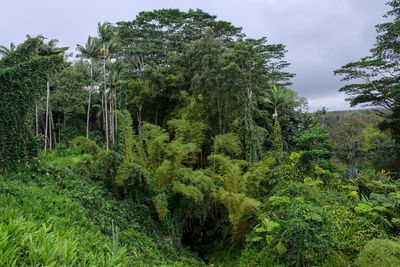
{"points": [[51, 215]]}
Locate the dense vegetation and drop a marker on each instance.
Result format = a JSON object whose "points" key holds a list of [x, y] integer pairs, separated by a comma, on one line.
{"points": [[174, 140]]}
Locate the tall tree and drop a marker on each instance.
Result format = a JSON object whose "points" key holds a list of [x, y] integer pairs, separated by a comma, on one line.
{"points": [[377, 76], [153, 34], [69, 100], [277, 98], [106, 38], [48, 49], [91, 52], [115, 81]]}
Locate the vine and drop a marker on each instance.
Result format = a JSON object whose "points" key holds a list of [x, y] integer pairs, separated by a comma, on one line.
{"points": [[20, 84]]}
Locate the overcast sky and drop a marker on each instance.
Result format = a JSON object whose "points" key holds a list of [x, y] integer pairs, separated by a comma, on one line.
{"points": [[320, 35]]}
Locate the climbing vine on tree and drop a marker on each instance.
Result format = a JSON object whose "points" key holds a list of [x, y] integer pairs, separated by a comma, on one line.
{"points": [[22, 75]]}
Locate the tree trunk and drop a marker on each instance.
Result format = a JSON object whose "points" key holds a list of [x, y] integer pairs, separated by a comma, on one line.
{"points": [[275, 115], [219, 117], [105, 96], [47, 116], [59, 130], [50, 130], [37, 119], [115, 108], [111, 116], [53, 127], [90, 98], [139, 119]]}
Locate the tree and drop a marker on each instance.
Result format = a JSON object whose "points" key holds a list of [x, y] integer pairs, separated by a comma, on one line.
{"points": [[22, 74], [105, 34], [315, 147], [277, 98], [48, 49], [277, 136], [68, 100], [153, 34], [138, 95], [5, 51], [115, 72], [91, 52], [377, 76]]}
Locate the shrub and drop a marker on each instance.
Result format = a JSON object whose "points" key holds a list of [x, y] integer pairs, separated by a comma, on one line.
{"points": [[86, 145]]}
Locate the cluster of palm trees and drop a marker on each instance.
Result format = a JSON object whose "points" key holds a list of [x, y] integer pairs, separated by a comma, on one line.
{"points": [[99, 49]]}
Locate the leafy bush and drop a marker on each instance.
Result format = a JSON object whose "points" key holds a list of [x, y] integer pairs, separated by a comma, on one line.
{"points": [[306, 235], [85, 145]]}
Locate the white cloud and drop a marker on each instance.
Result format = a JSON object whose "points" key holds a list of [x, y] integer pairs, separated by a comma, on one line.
{"points": [[331, 102]]}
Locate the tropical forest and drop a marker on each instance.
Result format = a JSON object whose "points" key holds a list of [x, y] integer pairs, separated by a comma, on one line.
{"points": [[175, 139]]}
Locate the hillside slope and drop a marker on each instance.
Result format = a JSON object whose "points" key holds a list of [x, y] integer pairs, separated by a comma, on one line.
{"points": [[50, 215]]}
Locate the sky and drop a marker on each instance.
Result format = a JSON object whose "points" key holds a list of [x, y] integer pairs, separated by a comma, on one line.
{"points": [[320, 35]]}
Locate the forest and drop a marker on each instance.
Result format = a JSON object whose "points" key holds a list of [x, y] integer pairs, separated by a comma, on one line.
{"points": [[174, 139]]}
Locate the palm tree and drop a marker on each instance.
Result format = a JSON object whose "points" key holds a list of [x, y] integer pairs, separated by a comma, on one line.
{"points": [[106, 38], [277, 97], [89, 51], [5, 51], [50, 48], [114, 81]]}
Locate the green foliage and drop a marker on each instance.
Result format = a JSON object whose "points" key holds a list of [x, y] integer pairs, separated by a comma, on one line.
{"points": [[161, 203], [229, 145], [138, 95], [277, 98], [73, 208], [125, 134], [232, 192], [278, 142], [316, 149], [85, 145], [150, 146], [151, 34], [40, 227], [310, 229], [357, 140], [211, 167], [375, 76], [379, 252], [21, 77]]}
